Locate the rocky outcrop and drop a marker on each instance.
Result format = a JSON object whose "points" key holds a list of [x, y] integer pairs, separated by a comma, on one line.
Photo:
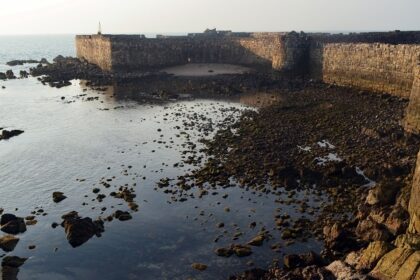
{"points": [[383, 194], [408, 241], [399, 264], [64, 69], [372, 254], [342, 271], [414, 206]]}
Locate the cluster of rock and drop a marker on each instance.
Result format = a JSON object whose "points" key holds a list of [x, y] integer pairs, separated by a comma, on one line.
{"points": [[11, 225], [26, 61], [371, 234], [392, 250], [65, 69], [10, 75]]}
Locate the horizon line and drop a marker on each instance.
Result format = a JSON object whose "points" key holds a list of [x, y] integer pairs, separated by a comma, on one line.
{"points": [[187, 32]]}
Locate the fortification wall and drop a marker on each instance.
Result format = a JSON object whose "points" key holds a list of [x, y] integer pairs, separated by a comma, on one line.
{"points": [[95, 49], [375, 67], [144, 54], [127, 53], [412, 119], [381, 62]]}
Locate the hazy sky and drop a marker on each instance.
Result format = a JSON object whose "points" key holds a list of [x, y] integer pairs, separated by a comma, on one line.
{"points": [[149, 16]]}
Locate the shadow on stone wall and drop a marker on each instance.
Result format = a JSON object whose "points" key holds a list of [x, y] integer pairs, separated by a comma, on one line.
{"points": [[278, 52]]}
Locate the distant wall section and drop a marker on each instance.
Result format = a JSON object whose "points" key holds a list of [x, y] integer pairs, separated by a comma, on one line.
{"points": [[375, 67], [96, 49]]}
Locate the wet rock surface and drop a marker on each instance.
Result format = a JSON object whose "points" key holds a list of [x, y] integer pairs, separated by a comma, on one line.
{"points": [[8, 243], [58, 197], [80, 230], [10, 267], [11, 224], [64, 69]]}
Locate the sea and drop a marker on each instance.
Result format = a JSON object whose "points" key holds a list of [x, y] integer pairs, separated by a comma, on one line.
{"points": [[76, 137]]}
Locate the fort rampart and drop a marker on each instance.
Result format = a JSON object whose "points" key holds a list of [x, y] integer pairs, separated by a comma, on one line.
{"points": [[378, 62], [129, 52]]}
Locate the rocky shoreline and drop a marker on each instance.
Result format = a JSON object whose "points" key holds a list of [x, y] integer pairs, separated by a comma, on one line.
{"points": [[344, 147], [324, 140]]}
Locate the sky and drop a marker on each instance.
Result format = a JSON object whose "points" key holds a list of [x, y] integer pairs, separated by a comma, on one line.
{"points": [[182, 16]]}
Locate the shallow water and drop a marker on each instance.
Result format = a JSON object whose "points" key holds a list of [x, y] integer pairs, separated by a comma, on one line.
{"points": [[72, 139], [70, 144]]}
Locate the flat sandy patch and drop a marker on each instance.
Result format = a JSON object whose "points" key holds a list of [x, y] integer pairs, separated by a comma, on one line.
{"points": [[206, 69]]}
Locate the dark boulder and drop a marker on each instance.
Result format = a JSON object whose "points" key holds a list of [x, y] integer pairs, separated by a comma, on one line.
{"points": [[383, 193], [58, 197], [13, 261], [23, 74], [122, 216], [21, 62], [7, 134], [369, 230], [12, 224], [303, 260], [80, 230], [8, 243], [10, 75]]}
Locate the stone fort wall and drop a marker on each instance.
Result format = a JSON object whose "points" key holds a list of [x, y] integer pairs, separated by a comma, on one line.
{"points": [[95, 49], [277, 51], [381, 62], [412, 121], [374, 67]]}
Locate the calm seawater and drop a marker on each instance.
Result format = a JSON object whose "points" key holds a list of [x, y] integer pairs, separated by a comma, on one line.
{"points": [[72, 146]]}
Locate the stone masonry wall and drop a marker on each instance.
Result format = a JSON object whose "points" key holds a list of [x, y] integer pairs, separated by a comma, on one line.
{"points": [[412, 119], [96, 49], [277, 51], [412, 124], [143, 54], [375, 67]]}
